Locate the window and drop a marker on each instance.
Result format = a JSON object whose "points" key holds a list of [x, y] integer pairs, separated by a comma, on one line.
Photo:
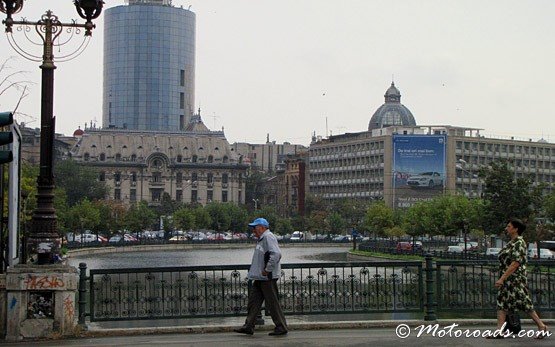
{"points": [[86, 157], [224, 196], [157, 177], [179, 195], [179, 158], [182, 100], [133, 177], [117, 177], [102, 176], [118, 157], [182, 78], [133, 195], [194, 177], [179, 178], [209, 177], [156, 194], [182, 122], [225, 159], [117, 194], [210, 159], [225, 178], [133, 157], [194, 196], [102, 156], [194, 159], [209, 195]]}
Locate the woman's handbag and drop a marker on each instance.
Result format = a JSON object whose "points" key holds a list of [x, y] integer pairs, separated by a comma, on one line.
{"points": [[513, 322]]}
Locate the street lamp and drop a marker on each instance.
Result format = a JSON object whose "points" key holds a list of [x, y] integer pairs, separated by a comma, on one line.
{"points": [[44, 237], [255, 204]]}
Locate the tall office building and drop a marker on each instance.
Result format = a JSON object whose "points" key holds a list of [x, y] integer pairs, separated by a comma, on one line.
{"points": [[149, 66]]}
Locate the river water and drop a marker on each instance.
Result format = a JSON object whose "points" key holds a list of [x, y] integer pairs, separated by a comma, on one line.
{"points": [[199, 257]]}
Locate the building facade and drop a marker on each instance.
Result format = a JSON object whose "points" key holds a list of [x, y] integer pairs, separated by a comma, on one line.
{"points": [[366, 165], [149, 66], [266, 157], [191, 167]]}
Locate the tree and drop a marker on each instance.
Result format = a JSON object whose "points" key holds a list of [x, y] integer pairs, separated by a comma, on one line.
{"points": [[336, 223], [184, 218], [220, 219], [140, 217], [507, 195], [378, 218], [113, 216], [79, 182], [83, 216], [202, 218], [283, 226]]}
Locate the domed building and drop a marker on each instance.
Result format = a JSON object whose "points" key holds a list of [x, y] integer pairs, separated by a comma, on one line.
{"points": [[392, 112]]}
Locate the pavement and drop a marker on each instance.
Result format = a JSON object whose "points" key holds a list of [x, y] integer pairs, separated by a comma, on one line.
{"points": [[345, 333]]}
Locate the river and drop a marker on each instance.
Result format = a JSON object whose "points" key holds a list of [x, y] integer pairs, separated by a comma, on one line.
{"points": [[199, 257]]}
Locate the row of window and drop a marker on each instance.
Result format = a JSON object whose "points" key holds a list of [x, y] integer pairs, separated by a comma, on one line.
{"points": [[506, 148], [179, 159], [156, 195], [519, 163], [157, 177], [373, 160], [347, 148]]}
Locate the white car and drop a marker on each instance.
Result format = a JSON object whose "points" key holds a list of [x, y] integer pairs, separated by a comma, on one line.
{"points": [[426, 179], [297, 236], [544, 253], [493, 251], [454, 249]]}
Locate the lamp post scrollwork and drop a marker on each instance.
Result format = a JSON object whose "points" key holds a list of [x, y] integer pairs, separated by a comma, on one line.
{"points": [[44, 239]]}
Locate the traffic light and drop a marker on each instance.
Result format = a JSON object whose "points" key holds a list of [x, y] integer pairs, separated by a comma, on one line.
{"points": [[6, 137]]}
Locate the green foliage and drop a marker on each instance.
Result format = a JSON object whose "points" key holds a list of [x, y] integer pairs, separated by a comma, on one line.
{"points": [[267, 212], [202, 218], [318, 221], [395, 231], [378, 218], [140, 217], [79, 182], [85, 215], [283, 226], [508, 196], [336, 223], [184, 218]]}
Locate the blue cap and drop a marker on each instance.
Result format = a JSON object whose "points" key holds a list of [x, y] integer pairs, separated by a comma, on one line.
{"points": [[260, 221]]}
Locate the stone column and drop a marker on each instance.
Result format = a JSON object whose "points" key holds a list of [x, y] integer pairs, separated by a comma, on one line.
{"points": [[41, 301]]}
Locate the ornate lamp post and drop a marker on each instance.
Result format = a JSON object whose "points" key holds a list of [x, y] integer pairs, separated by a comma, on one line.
{"points": [[44, 238]]}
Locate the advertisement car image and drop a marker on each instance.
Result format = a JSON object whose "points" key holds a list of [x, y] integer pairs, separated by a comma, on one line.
{"points": [[426, 179]]}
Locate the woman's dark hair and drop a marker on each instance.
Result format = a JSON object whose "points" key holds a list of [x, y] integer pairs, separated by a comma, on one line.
{"points": [[518, 224]]}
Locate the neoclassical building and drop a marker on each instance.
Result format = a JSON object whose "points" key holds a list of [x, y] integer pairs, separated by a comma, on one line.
{"points": [[192, 166]]}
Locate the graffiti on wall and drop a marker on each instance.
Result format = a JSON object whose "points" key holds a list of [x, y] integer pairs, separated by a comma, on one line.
{"points": [[69, 309], [43, 282]]}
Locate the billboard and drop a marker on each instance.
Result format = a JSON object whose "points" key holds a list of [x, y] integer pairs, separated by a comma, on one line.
{"points": [[418, 168]]}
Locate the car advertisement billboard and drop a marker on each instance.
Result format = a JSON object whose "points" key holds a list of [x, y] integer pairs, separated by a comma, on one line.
{"points": [[418, 168]]}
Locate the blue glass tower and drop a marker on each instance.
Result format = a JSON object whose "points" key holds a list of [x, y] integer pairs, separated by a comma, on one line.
{"points": [[149, 66]]}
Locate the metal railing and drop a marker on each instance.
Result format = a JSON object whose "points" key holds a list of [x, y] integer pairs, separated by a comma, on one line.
{"points": [[308, 288], [210, 291]]}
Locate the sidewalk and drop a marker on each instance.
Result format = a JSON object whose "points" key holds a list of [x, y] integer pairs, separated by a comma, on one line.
{"points": [[351, 333]]}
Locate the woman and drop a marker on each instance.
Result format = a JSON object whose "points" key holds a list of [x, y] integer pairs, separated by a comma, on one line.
{"points": [[514, 294]]}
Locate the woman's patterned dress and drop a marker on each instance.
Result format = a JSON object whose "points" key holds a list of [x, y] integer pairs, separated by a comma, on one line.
{"points": [[514, 295]]}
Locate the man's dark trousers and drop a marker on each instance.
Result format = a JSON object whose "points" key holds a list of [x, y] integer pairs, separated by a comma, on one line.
{"points": [[265, 291]]}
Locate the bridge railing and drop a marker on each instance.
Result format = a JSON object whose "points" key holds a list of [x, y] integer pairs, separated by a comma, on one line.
{"points": [[209, 291], [307, 288]]}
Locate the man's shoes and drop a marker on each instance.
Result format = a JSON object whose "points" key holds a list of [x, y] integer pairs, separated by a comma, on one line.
{"points": [[244, 330], [278, 332]]}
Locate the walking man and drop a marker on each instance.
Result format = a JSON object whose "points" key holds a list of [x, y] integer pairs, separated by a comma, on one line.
{"points": [[265, 270]]}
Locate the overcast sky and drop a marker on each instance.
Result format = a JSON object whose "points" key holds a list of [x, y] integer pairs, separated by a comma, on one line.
{"points": [[283, 67]]}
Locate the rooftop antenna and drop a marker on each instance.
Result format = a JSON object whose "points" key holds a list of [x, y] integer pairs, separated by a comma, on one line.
{"points": [[327, 126]]}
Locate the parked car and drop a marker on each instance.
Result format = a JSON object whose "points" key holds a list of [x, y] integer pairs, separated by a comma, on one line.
{"points": [[297, 236], [341, 238], [425, 179], [116, 239], [178, 238], [403, 246], [454, 249], [493, 251], [470, 245], [544, 253]]}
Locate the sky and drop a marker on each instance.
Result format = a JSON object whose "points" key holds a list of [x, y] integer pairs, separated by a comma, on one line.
{"points": [[289, 68]]}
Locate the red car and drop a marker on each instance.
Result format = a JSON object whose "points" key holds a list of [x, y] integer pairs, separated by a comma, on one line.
{"points": [[404, 246]]}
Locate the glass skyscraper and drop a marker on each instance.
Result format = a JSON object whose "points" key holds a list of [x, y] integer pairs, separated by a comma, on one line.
{"points": [[149, 66]]}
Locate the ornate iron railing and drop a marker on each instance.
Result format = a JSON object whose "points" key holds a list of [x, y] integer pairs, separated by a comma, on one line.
{"points": [[469, 285], [184, 292]]}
